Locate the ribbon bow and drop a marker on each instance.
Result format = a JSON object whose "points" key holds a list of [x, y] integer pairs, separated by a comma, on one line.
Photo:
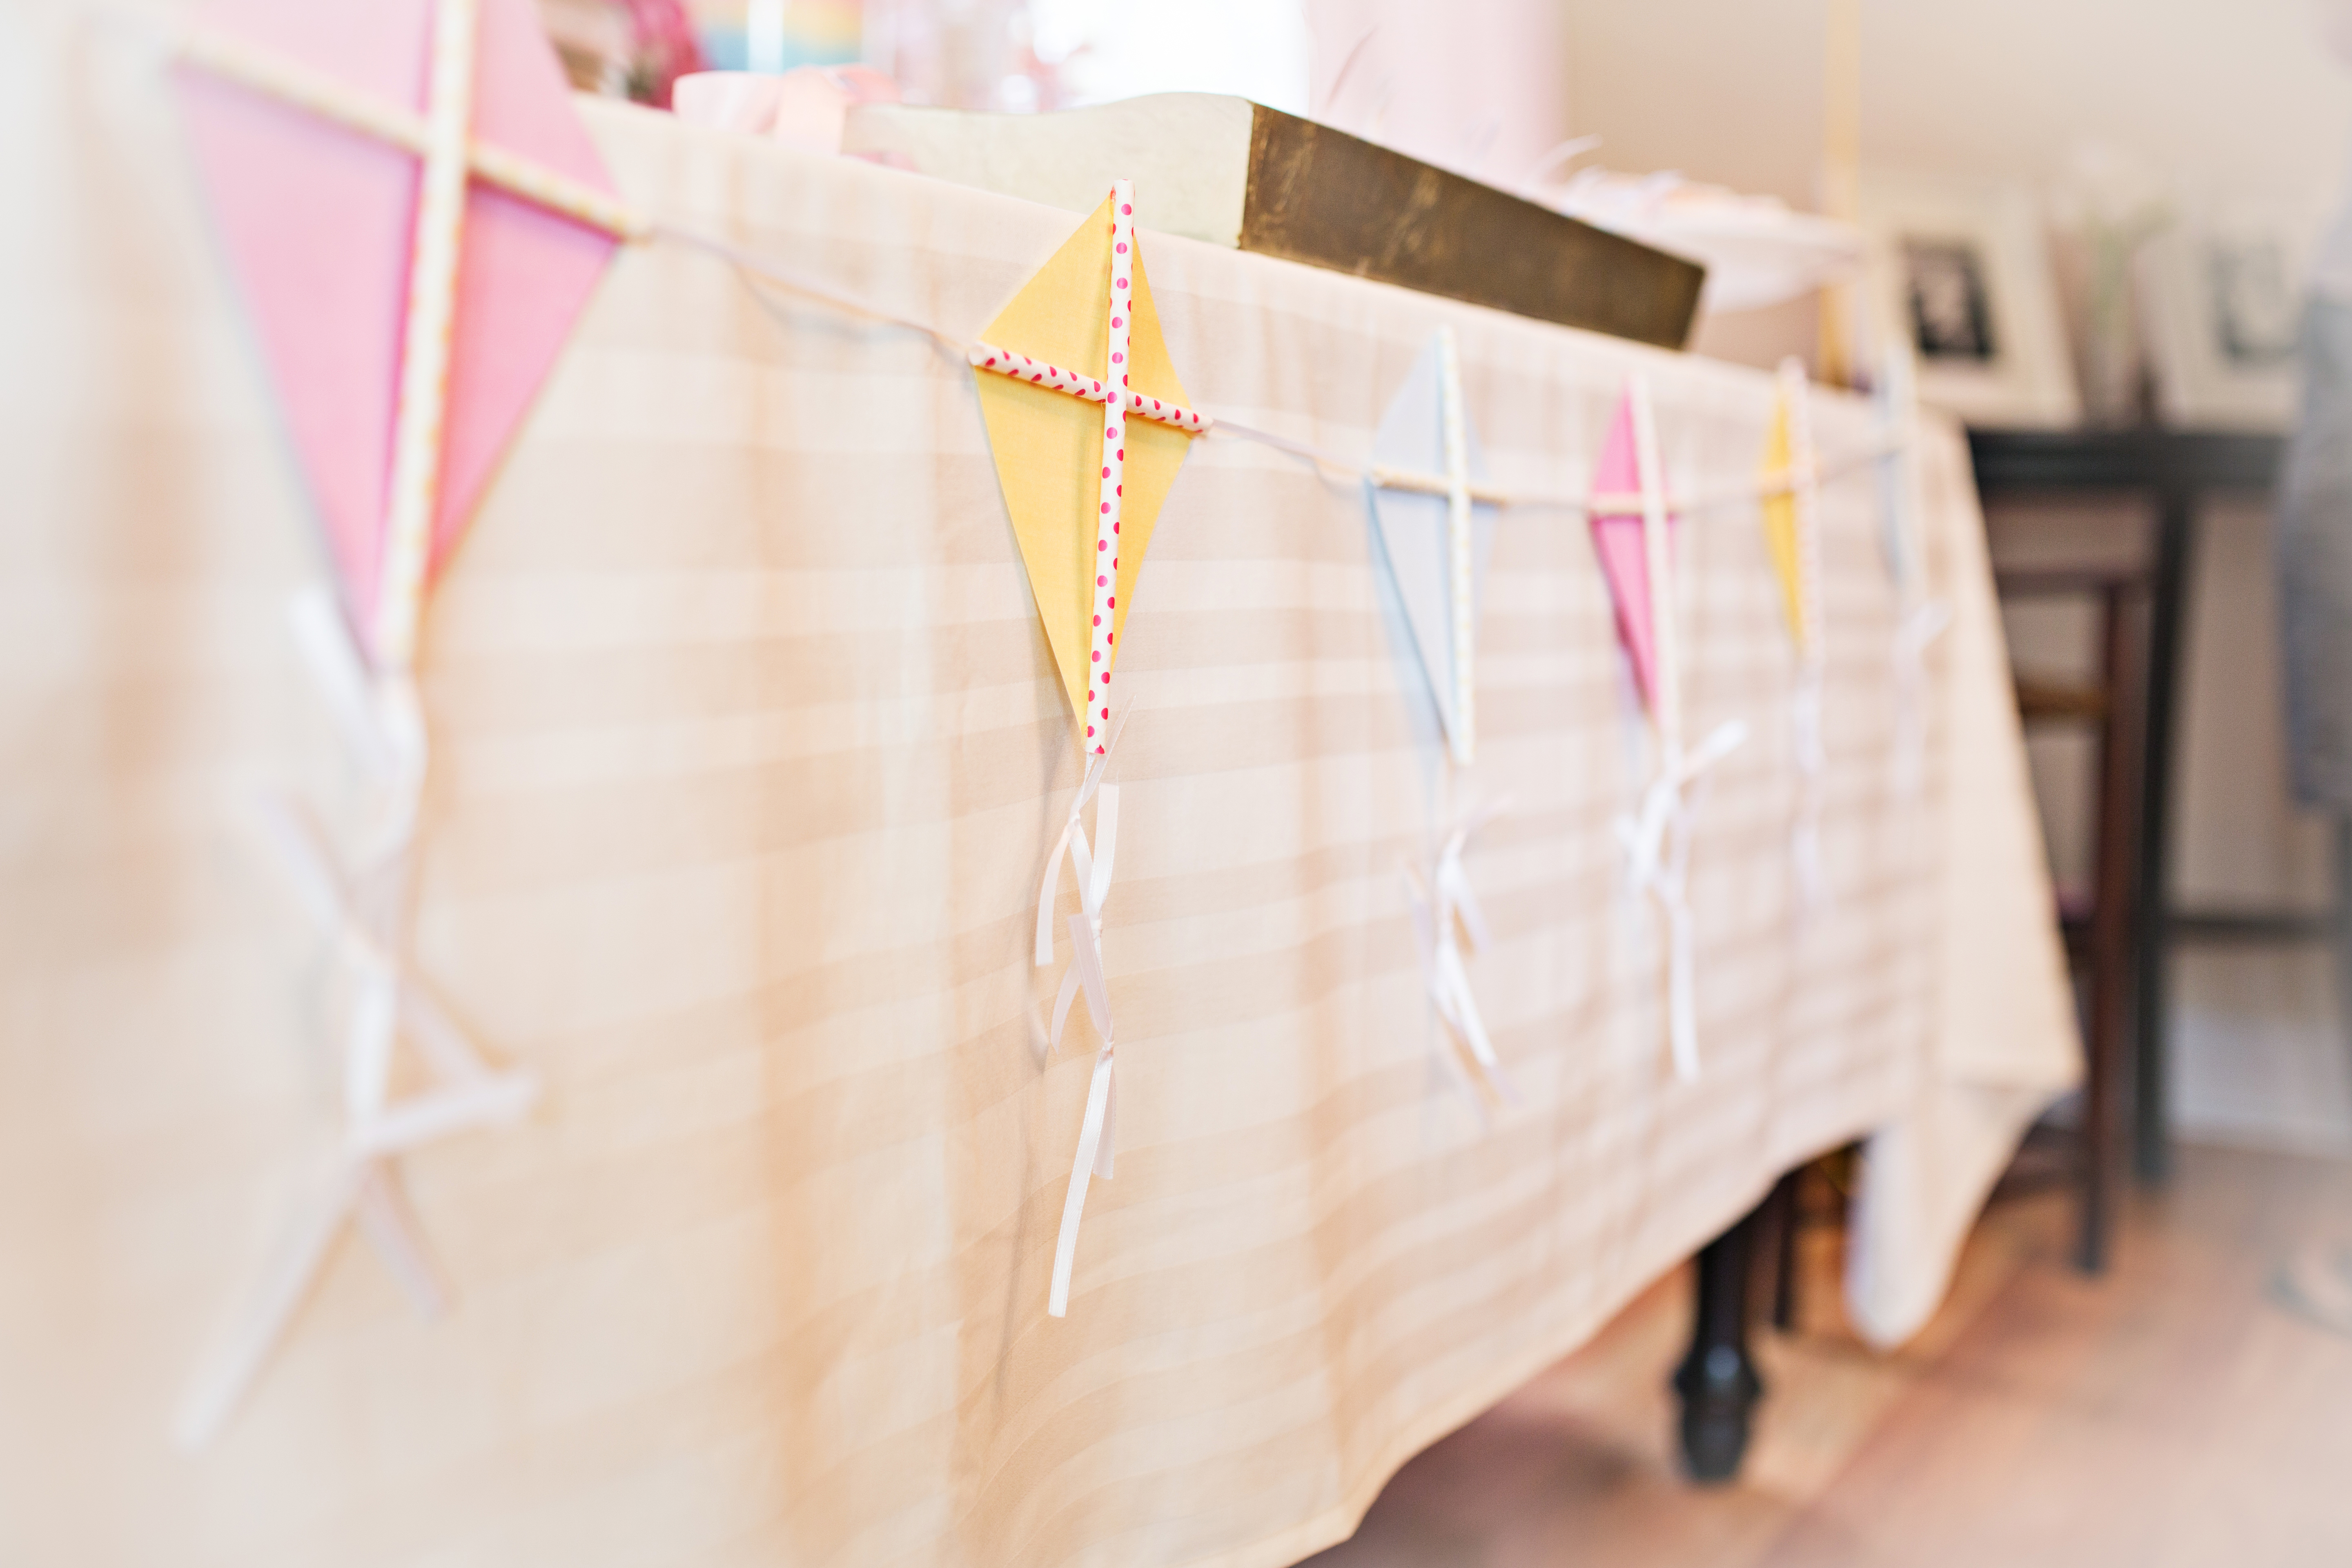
{"points": [[380, 720], [390, 996], [1661, 868], [1091, 863], [1443, 913]]}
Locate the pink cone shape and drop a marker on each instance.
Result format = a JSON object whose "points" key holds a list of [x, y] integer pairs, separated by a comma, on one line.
{"points": [[1617, 539], [316, 221]]}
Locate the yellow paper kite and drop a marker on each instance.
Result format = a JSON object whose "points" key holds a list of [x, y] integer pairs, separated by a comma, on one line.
{"points": [[1782, 520], [1089, 424]]}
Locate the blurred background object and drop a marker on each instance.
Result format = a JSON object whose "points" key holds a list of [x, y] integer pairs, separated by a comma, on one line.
{"points": [[775, 36], [1758, 250], [624, 49], [2107, 203]]}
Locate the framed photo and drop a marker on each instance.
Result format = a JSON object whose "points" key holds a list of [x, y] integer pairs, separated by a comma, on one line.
{"points": [[2221, 299], [1959, 277]]}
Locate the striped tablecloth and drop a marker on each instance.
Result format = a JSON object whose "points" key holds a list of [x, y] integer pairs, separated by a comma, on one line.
{"points": [[747, 754]]}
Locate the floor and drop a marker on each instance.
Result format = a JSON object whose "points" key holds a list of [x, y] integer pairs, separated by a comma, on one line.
{"points": [[2172, 1413]]}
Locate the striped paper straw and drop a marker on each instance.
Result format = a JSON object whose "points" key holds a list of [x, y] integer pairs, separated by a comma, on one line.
{"points": [[425, 358], [1458, 551], [1021, 367], [1114, 467]]}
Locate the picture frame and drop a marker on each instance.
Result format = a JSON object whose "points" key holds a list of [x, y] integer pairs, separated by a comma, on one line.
{"points": [[2220, 305], [1958, 276]]}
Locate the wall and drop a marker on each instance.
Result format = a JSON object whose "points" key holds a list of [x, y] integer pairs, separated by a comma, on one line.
{"points": [[1474, 85], [2233, 91]]}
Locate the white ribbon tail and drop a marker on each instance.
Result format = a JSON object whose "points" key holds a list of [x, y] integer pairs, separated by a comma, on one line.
{"points": [[1073, 843], [1454, 889], [382, 1209], [300, 850], [323, 639], [1094, 885], [1062, 1001], [1681, 988], [1099, 1134], [375, 1020], [1044, 944], [1086, 972], [218, 1390], [1464, 1014], [1092, 1137], [1425, 932], [1436, 914], [1086, 962], [423, 1118], [445, 1048], [1720, 742]]}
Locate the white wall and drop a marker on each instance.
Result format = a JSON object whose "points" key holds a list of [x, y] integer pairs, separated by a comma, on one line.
{"points": [[1475, 85], [2229, 92]]}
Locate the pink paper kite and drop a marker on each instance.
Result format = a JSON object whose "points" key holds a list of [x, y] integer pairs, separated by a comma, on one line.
{"points": [[1617, 539], [316, 221]]}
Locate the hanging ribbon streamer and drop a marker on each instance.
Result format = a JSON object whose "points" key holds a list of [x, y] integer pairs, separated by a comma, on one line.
{"points": [[1657, 851], [1657, 841], [1444, 910], [362, 913], [1091, 864]]}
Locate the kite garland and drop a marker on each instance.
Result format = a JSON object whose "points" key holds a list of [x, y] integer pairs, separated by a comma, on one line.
{"points": [[1656, 839]]}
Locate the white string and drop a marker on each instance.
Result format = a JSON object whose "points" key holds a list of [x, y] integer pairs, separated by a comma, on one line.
{"points": [[1446, 910]]}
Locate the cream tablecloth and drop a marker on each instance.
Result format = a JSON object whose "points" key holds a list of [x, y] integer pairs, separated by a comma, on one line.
{"points": [[747, 756]]}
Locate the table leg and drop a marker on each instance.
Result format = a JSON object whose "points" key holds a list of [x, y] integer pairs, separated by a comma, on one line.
{"points": [[2117, 909], [2175, 536], [1785, 1202], [1717, 1378]]}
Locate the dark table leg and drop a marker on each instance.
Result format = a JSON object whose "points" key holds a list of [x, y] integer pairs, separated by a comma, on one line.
{"points": [[2118, 914], [1785, 1203], [2175, 537], [1717, 1379]]}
